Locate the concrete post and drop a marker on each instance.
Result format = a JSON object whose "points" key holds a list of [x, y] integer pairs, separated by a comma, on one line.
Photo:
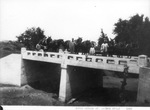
{"points": [[64, 89], [142, 60], [23, 50], [23, 70]]}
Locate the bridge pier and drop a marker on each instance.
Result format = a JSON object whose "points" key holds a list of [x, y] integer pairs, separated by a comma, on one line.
{"points": [[64, 90], [76, 80]]}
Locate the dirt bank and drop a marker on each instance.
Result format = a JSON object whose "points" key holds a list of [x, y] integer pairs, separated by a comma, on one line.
{"points": [[106, 96]]}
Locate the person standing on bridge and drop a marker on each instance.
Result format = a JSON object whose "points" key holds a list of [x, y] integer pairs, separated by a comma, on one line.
{"points": [[92, 50], [43, 44], [104, 48], [72, 46]]}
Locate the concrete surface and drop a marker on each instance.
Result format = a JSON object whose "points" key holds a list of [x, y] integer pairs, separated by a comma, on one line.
{"points": [[96, 62], [10, 69], [144, 85]]}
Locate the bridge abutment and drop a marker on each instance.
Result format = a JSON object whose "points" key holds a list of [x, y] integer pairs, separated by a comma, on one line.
{"points": [[144, 85], [143, 95]]}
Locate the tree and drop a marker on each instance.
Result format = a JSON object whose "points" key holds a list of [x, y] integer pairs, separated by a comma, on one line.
{"points": [[134, 31], [121, 31], [31, 37]]}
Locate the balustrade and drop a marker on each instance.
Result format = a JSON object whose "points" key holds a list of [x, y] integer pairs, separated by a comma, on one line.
{"points": [[98, 59]]}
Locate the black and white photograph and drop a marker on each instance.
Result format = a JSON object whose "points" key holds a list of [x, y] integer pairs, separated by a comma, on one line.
{"points": [[75, 54]]}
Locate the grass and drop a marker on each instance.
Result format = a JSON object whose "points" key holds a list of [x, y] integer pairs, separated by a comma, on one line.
{"points": [[9, 47]]}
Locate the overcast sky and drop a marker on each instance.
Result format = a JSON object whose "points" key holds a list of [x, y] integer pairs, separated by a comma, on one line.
{"points": [[67, 18]]}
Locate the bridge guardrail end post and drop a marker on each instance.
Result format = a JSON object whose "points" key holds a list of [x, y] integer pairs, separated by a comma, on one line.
{"points": [[143, 60], [23, 50]]}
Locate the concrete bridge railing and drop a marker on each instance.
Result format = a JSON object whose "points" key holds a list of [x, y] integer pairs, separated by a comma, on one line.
{"points": [[111, 60], [99, 62]]}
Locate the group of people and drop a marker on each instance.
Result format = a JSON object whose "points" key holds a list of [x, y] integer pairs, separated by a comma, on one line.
{"points": [[107, 48], [70, 46], [43, 45]]}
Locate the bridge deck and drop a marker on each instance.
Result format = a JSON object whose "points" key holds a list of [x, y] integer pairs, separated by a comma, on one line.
{"points": [[96, 62]]}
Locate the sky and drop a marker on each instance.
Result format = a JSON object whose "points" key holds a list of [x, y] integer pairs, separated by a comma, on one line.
{"points": [[66, 19]]}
